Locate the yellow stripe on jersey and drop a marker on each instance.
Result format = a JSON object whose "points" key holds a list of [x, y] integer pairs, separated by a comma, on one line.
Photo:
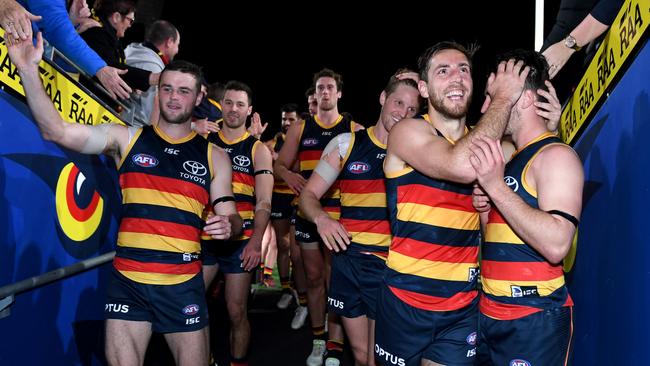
{"points": [[282, 189], [363, 199], [246, 214], [429, 269], [336, 215], [371, 238], [308, 165], [157, 242], [501, 233], [157, 278], [503, 288], [242, 188], [437, 216], [159, 198]]}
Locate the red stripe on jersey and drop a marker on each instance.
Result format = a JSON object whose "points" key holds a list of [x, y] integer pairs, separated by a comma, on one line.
{"points": [[494, 217], [363, 186], [123, 264], [306, 155], [239, 177], [520, 271], [434, 303], [376, 226], [244, 206], [502, 311], [434, 252], [434, 197], [157, 227], [163, 184], [332, 209]]}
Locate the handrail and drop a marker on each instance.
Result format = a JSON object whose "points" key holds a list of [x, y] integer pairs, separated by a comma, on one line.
{"points": [[58, 54], [100, 87], [55, 275]]}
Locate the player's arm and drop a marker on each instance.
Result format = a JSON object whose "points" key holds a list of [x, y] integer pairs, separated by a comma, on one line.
{"points": [[111, 139], [557, 176], [287, 156], [263, 170], [413, 142], [334, 235], [226, 222]]}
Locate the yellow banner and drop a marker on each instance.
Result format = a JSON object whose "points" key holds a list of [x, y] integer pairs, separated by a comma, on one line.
{"points": [[621, 39], [74, 104]]}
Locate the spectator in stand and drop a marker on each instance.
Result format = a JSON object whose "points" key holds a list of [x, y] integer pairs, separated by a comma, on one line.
{"points": [[79, 15], [208, 113], [159, 48], [60, 33], [115, 17]]}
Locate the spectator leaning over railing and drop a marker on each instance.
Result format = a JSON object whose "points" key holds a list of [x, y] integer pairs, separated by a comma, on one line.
{"points": [[60, 33], [579, 23]]}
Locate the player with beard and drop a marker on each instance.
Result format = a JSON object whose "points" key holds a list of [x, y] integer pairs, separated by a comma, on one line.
{"points": [[427, 307], [168, 174], [252, 182], [305, 142]]}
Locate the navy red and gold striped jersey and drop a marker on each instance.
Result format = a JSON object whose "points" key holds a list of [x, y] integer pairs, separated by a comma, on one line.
{"points": [[314, 137], [363, 194], [433, 257], [279, 186], [165, 186], [241, 152], [517, 280]]}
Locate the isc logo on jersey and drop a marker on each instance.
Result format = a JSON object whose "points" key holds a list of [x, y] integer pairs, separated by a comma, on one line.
{"points": [[145, 160], [358, 167]]}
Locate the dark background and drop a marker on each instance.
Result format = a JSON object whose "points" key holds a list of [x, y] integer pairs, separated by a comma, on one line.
{"points": [[278, 54]]}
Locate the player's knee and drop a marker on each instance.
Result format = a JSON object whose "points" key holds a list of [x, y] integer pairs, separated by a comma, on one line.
{"points": [[236, 312]]}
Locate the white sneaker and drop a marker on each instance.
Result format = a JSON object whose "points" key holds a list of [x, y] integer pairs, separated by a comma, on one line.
{"points": [[285, 301], [317, 353], [332, 362], [299, 318]]}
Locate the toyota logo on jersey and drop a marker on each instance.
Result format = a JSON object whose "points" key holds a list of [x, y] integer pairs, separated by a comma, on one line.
{"points": [[512, 183], [241, 160], [194, 167]]}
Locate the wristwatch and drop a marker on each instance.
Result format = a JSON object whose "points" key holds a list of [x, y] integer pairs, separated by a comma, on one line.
{"points": [[571, 43]]}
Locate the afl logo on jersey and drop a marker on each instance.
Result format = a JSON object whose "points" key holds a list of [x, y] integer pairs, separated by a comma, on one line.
{"points": [[191, 309], [241, 160], [471, 339], [145, 160], [519, 362], [309, 142], [512, 183], [358, 167]]}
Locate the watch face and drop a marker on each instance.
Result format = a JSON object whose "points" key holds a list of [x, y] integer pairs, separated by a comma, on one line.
{"points": [[570, 42]]}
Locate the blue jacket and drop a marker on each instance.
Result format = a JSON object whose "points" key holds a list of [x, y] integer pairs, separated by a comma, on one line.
{"points": [[60, 33]]}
